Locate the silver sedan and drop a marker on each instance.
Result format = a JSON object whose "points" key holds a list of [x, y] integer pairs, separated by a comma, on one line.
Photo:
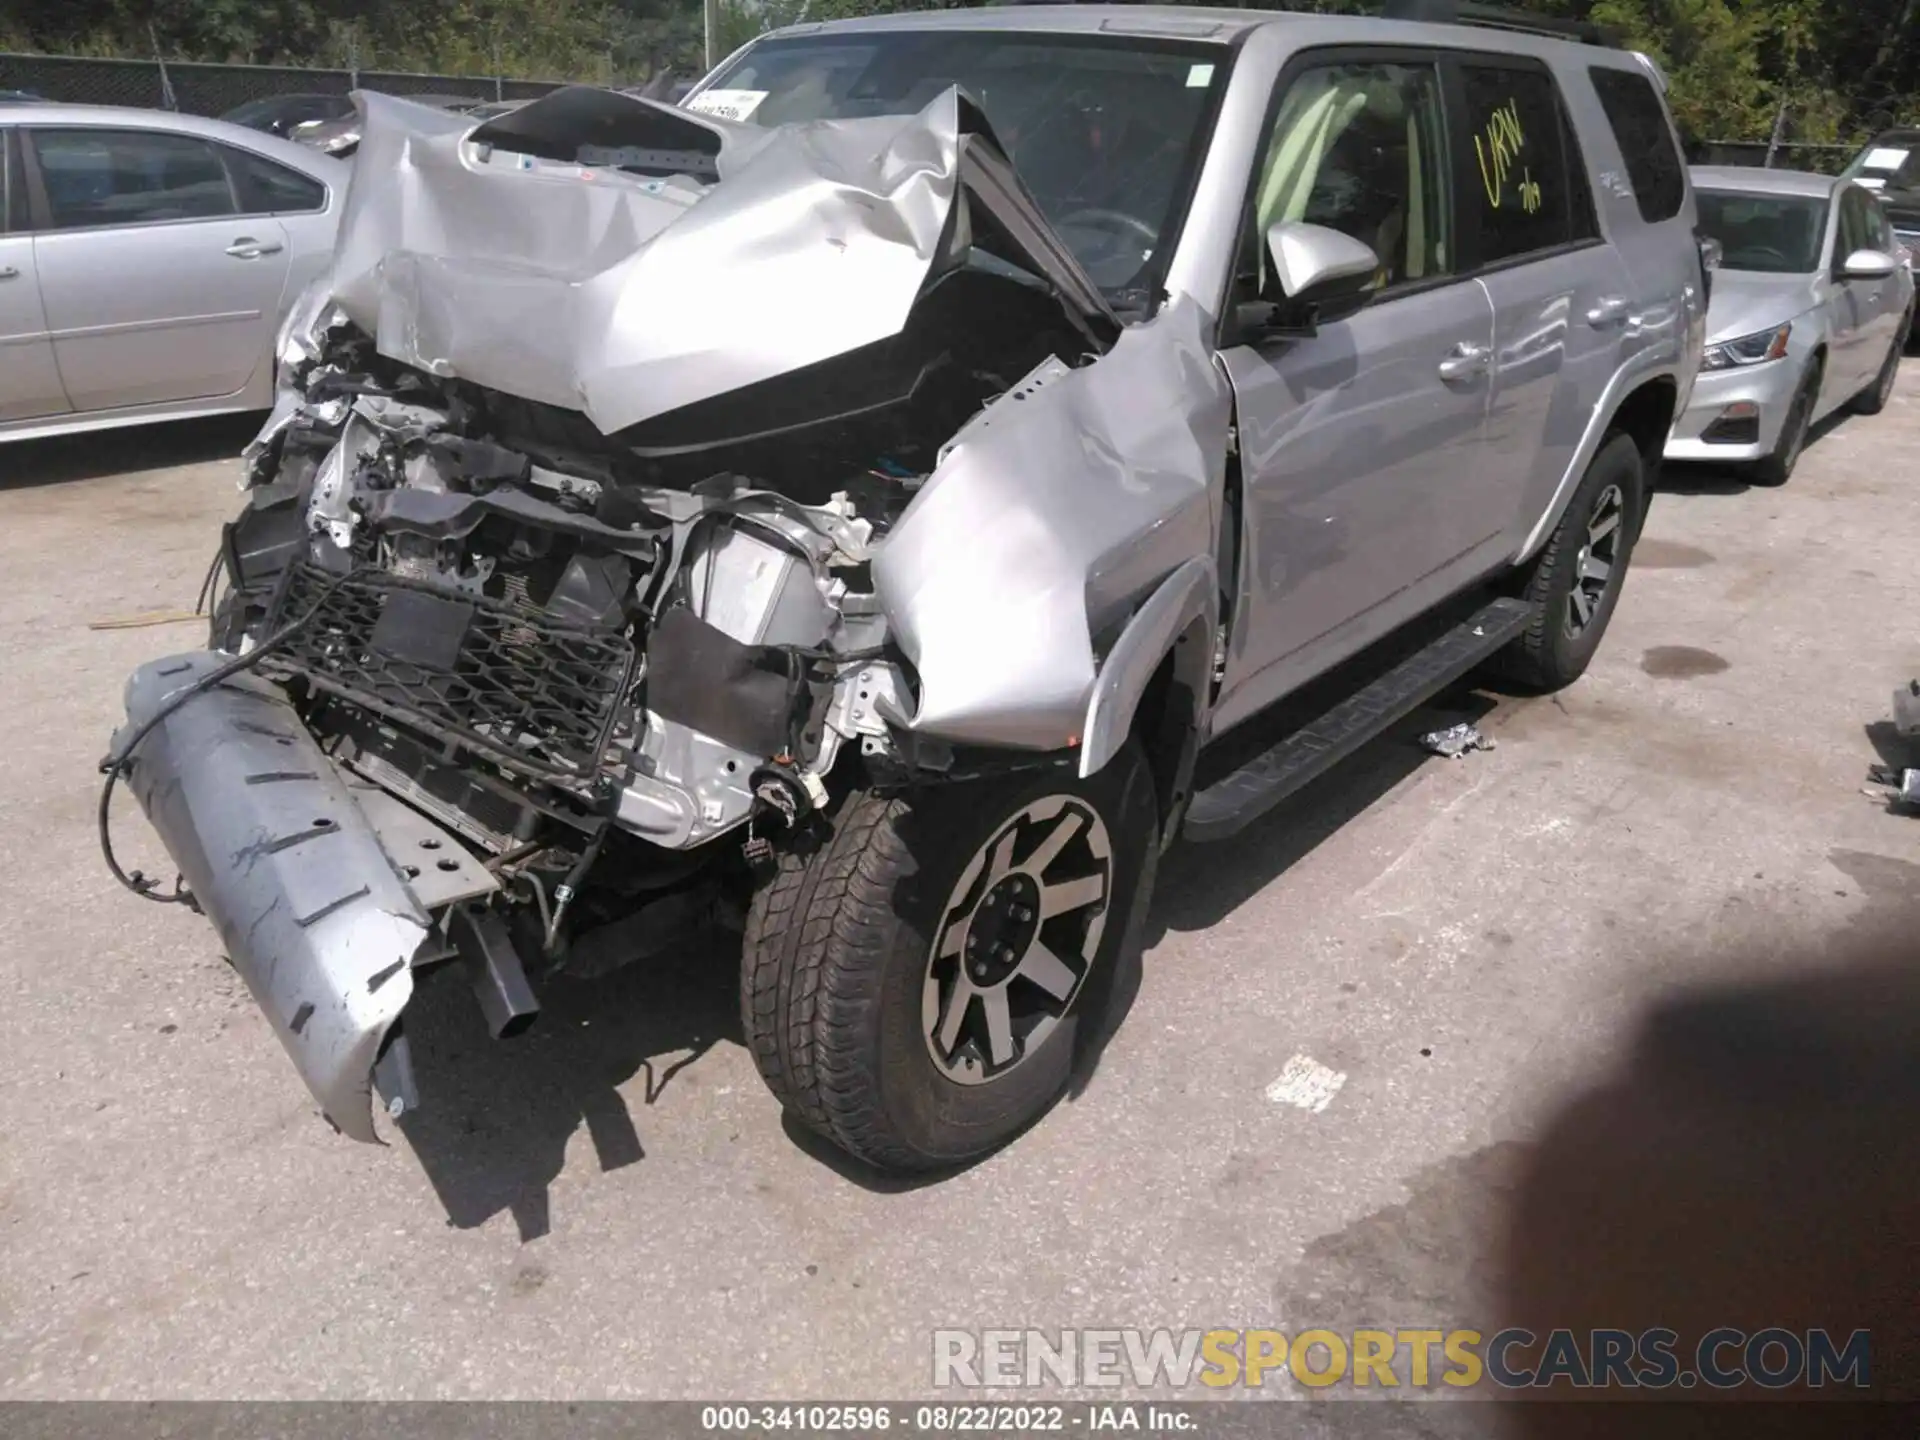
{"points": [[1810, 311], [146, 262]]}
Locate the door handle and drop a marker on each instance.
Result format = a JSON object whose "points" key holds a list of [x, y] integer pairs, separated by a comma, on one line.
{"points": [[248, 248], [1608, 310], [8, 272], [1465, 361]]}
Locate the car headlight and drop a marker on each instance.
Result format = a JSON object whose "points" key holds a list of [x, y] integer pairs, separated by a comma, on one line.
{"points": [[1748, 349]]}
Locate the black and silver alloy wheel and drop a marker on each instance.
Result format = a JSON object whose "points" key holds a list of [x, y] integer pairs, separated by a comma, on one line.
{"points": [[1017, 939], [930, 971], [1594, 563], [1574, 582]]}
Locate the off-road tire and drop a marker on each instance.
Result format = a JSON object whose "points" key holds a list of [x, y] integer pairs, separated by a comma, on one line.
{"points": [[1873, 399], [1546, 656], [837, 952]]}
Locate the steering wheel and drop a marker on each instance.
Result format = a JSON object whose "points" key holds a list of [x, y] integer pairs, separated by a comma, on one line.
{"points": [[1766, 254], [1094, 217]]}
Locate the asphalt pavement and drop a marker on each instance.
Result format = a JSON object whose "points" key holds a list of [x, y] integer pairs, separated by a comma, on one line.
{"points": [[1350, 1021]]}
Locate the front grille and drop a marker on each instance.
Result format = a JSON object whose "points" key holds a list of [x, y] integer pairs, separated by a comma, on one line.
{"points": [[538, 697]]}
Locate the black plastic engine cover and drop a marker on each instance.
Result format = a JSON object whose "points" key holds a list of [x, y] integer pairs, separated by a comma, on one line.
{"points": [[742, 695]]}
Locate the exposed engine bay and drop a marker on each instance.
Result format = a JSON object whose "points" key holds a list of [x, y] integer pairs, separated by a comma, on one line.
{"points": [[603, 650], [535, 643]]}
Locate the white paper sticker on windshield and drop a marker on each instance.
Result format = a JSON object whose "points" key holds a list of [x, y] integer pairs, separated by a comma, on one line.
{"points": [[1872, 182], [1884, 157], [726, 104], [1199, 76]]}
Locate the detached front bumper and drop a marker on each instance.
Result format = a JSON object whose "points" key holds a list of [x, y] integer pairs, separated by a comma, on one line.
{"points": [[1735, 415], [293, 862]]}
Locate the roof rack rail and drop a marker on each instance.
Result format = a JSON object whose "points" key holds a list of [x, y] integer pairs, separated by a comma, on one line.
{"points": [[1501, 17]]}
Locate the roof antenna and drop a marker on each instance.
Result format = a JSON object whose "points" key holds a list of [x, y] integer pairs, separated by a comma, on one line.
{"points": [[1428, 12]]}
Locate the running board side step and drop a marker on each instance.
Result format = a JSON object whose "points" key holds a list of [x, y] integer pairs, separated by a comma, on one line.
{"points": [[1236, 800]]}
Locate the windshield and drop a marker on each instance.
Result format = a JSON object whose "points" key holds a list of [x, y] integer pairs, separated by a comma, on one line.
{"points": [[1773, 234], [1105, 130], [1892, 162]]}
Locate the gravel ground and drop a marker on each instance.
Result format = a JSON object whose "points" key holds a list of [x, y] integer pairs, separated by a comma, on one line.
{"points": [[612, 1206]]}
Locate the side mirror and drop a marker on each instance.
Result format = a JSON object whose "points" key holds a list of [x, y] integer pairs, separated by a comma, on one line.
{"points": [[1315, 264], [1868, 265], [1324, 274]]}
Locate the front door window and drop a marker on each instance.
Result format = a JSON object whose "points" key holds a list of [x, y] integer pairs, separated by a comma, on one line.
{"points": [[1360, 148]]}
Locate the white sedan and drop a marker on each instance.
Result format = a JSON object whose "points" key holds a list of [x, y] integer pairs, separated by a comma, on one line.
{"points": [[146, 261], [1810, 311]]}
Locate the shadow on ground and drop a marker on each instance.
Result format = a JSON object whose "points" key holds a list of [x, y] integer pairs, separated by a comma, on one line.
{"points": [[1744, 1159], [1200, 885], [496, 1116], [1680, 478], [1747, 1165], [124, 451]]}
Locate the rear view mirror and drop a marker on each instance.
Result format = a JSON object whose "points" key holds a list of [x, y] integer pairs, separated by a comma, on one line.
{"points": [[1325, 275], [1868, 265]]}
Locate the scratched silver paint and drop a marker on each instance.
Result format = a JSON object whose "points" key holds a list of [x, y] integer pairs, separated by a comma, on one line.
{"points": [[309, 908]]}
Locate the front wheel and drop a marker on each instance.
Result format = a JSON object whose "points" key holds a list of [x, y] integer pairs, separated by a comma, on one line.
{"points": [[1873, 399], [915, 987], [1574, 583], [1776, 467]]}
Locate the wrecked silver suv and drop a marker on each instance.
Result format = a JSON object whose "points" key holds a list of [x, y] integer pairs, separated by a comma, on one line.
{"points": [[873, 513]]}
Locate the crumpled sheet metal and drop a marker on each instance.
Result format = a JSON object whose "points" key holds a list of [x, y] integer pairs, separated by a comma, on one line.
{"points": [[626, 298], [1054, 513], [1456, 740], [283, 862]]}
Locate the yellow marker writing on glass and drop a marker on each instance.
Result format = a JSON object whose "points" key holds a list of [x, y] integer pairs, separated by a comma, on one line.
{"points": [[1498, 148]]}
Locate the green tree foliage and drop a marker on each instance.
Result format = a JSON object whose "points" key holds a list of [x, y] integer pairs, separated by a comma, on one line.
{"points": [[1822, 70], [1819, 69]]}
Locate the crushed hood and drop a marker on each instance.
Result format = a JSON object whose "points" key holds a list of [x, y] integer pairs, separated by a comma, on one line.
{"points": [[626, 259]]}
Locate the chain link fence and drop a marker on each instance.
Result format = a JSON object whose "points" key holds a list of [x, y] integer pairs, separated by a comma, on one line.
{"points": [[199, 89]]}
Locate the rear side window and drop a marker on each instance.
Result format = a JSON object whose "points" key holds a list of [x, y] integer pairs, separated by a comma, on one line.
{"points": [[1524, 183], [1639, 123], [267, 188], [129, 177]]}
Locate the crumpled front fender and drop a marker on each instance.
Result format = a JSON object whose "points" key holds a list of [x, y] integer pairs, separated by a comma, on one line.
{"points": [[1051, 516]]}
